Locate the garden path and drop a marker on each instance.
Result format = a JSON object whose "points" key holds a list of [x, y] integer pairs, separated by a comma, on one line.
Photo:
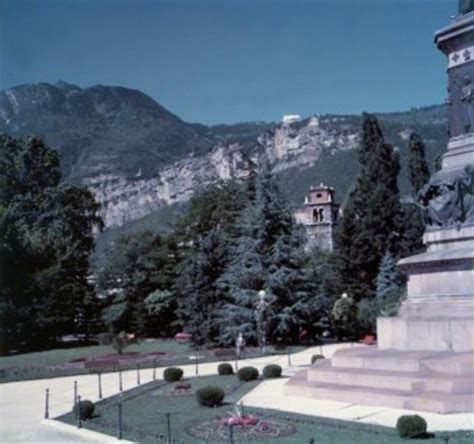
{"points": [[22, 404]]}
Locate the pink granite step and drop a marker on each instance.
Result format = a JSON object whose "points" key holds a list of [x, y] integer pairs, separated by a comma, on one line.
{"points": [[441, 382], [323, 372], [402, 399], [388, 360]]}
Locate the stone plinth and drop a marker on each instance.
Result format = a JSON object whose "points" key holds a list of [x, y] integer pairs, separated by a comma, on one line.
{"points": [[438, 313], [441, 382]]}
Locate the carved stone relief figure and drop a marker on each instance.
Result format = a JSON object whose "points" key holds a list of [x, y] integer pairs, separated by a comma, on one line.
{"points": [[467, 98]]}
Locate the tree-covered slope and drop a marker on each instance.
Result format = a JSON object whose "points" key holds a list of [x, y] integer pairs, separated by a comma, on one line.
{"points": [[100, 128]]}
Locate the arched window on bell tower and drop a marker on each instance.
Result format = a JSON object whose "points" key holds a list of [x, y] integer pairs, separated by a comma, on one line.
{"points": [[315, 215]]}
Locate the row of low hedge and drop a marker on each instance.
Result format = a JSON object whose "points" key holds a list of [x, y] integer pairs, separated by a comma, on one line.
{"points": [[174, 374], [250, 373]]}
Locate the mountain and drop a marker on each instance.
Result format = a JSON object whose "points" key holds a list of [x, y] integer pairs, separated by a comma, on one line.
{"points": [[100, 129], [143, 162]]}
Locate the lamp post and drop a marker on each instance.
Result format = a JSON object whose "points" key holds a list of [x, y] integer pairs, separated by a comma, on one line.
{"points": [[260, 309]]}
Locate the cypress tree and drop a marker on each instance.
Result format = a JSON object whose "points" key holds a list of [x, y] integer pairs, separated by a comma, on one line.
{"points": [[419, 175], [418, 171], [371, 218]]}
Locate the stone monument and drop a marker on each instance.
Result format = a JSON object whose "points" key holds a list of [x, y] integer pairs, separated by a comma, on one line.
{"points": [[424, 359]]}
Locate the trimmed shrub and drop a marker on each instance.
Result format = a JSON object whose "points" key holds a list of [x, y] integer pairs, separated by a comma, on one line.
{"points": [[85, 408], [411, 426], [247, 373], [210, 396], [272, 371], [225, 369], [314, 358], [172, 374]]}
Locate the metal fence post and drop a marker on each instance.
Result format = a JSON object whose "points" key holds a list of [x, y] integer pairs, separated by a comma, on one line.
{"points": [[100, 384], [138, 374], [75, 393], [197, 363], [236, 362], [289, 357], [154, 369], [168, 426], [231, 433], [79, 419], [46, 405], [120, 425], [120, 380]]}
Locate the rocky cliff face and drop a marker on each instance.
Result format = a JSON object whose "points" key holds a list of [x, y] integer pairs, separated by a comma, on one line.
{"points": [[288, 146], [124, 199]]}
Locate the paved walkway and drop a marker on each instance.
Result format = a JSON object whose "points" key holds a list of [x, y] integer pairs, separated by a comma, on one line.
{"points": [[22, 403]]}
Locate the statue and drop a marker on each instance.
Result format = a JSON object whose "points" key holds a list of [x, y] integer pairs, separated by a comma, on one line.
{"points": [[465, 202], [449, 202], [437, 199], [466, 6]]}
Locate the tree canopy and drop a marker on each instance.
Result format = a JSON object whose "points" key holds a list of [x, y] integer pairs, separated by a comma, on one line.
{"points": [[46, 236]]}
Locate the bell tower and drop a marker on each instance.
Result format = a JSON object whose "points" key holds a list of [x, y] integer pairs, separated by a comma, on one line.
{"points": [[319, 215]]}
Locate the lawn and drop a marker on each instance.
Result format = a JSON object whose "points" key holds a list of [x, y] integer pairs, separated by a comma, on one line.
{"points": [[146, 409], [57, 362]]}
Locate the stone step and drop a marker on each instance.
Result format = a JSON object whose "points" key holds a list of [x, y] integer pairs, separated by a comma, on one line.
{"points": [[433, 402], [459, 364], [323, 372], [347, 393], [441, 403], [388, 360]]}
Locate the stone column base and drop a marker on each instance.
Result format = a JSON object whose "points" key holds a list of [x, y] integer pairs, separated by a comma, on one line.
{"points": [[434, 334]]}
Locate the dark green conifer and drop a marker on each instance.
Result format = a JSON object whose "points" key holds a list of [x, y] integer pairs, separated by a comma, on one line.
{"points": [[371, 217]]}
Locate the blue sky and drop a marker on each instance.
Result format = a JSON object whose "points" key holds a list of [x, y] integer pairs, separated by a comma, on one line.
{"points": [[222, 61]]}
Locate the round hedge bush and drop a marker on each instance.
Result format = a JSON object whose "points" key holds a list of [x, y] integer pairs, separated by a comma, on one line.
{"points": [[210, 396], [272, 371], [225, 369], [411, 426], [247, 373], [85, 408], [314, 358], [172, 374]]}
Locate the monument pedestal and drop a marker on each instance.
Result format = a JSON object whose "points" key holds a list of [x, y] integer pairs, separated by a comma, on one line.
{"points": [[438, 313]]}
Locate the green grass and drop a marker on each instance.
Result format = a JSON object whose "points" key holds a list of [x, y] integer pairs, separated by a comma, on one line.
{"points": [[52, 363], [144, 418], [61, 356]]}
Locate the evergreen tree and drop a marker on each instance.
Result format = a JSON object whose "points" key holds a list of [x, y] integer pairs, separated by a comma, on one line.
{"points": [[371, 217], [389, 279], [295, 288], [389, 290], [268, 256], [419, 175], [200, 297], [418, 171]]}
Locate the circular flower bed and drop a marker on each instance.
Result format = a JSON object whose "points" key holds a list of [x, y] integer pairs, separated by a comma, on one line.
{"points": [[245, 427]]}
